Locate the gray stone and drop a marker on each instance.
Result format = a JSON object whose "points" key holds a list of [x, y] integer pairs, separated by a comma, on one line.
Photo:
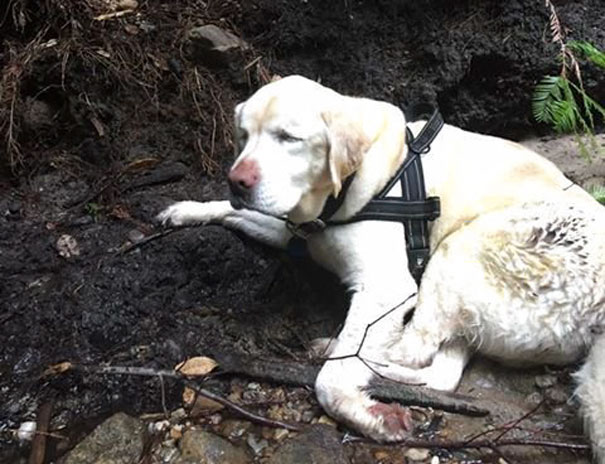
{"points": [[118, 440], [213, 45], [557, 396], [206, 448], [545, 381], [320, 444]]}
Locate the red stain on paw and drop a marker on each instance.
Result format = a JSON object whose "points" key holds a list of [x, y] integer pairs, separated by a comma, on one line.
{"points": [[395, 417]]}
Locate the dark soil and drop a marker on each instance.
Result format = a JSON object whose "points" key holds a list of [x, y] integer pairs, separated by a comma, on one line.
{"points": [[117, 120]]}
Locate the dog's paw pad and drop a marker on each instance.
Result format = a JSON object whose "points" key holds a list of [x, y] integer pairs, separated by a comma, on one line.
{"points": [[396, 420]]}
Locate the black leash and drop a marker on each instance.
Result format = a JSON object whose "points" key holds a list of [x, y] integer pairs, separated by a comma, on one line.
{"points": [[413, 209]]}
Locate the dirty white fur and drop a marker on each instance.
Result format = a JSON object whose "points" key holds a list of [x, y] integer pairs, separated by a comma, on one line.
{"points": [[517, 257]]}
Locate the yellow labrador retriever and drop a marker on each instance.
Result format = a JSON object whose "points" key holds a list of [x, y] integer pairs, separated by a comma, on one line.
{"points": [[517, 256]]}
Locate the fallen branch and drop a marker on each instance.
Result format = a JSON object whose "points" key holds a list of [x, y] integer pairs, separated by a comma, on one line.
{"points": [[299, 374], [149, 372]]}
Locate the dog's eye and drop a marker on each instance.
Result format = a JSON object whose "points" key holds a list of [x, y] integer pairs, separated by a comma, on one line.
{"points": [[284, 136], [242, 139]]}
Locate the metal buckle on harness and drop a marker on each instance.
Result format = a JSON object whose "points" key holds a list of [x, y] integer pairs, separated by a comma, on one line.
{"points": [[417, 260], [306, 228]]}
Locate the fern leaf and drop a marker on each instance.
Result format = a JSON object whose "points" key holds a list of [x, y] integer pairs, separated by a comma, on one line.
{"points": [[598, 192], [589, 51], [546, 92]]}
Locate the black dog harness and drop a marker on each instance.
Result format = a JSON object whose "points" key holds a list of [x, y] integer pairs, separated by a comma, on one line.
{"points": [[413, 209]]}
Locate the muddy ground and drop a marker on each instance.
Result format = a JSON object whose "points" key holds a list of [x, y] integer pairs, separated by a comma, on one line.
{"points": [[114, 119]]}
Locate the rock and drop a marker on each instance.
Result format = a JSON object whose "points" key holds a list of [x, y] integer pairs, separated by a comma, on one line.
{"points": [[545, 381], [118, 440], [556, 396], [127, 5], [320, 444], [206, 448], [135, 236], [212, 45], [257, 445], [26, 431], [534, 398], [417, 454], [232, 428], [67, 246]]}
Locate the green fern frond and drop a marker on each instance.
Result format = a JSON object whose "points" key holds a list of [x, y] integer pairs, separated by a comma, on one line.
{"points": [[547, 91], [598, 192], [588, 51]]}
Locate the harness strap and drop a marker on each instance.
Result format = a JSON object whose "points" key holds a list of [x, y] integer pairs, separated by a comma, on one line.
{"points": [[413, 209]]}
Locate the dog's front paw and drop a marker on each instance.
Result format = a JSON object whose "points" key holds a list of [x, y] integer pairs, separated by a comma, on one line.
{"points": [[186, 213], [340, 390], [396, 421]]}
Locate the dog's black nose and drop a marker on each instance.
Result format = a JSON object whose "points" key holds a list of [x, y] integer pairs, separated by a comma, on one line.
{"points": [[238, 188]]}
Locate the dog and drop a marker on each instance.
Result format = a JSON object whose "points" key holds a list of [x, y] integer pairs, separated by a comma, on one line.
{"points": [[517, 256]]}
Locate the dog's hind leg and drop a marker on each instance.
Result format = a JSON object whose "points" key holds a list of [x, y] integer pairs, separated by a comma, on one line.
{"points": [[266, 229], [444, 372]]}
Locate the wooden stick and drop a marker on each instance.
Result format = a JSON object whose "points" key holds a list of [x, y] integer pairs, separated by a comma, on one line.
{"points": [[299, 374], [38, 450]]}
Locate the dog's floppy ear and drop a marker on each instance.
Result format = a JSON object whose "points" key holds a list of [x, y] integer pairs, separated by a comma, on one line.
{"points": [[346, 145]]}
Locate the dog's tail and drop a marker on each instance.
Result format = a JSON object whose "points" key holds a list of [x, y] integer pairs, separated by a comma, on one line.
{"points": [[591, 392]]}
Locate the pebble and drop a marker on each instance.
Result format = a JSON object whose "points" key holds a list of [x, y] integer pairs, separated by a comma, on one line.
{"points": [[26, 431], [256, 445], [417, 454], [280, 434], [326, 420], [534, 398], [545, 381], [435, 460], [556, 396], [159, 426], [127, 4], [67, 246], [135, 236]]}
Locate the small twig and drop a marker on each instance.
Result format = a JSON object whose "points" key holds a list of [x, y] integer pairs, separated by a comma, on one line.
{"points": [[150, 372], [463, 444], [163, 392], [510, 426], [144, 241], [38, 450], [506, 427], [115, 14], [243, 412]]}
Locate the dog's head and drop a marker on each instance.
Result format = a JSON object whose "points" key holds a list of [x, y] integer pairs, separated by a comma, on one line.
{"points": [[298, 141]]}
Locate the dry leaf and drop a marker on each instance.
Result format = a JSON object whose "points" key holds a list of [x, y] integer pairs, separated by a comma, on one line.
{"points": [[188, 396], [57, 369], [197, 366]]}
